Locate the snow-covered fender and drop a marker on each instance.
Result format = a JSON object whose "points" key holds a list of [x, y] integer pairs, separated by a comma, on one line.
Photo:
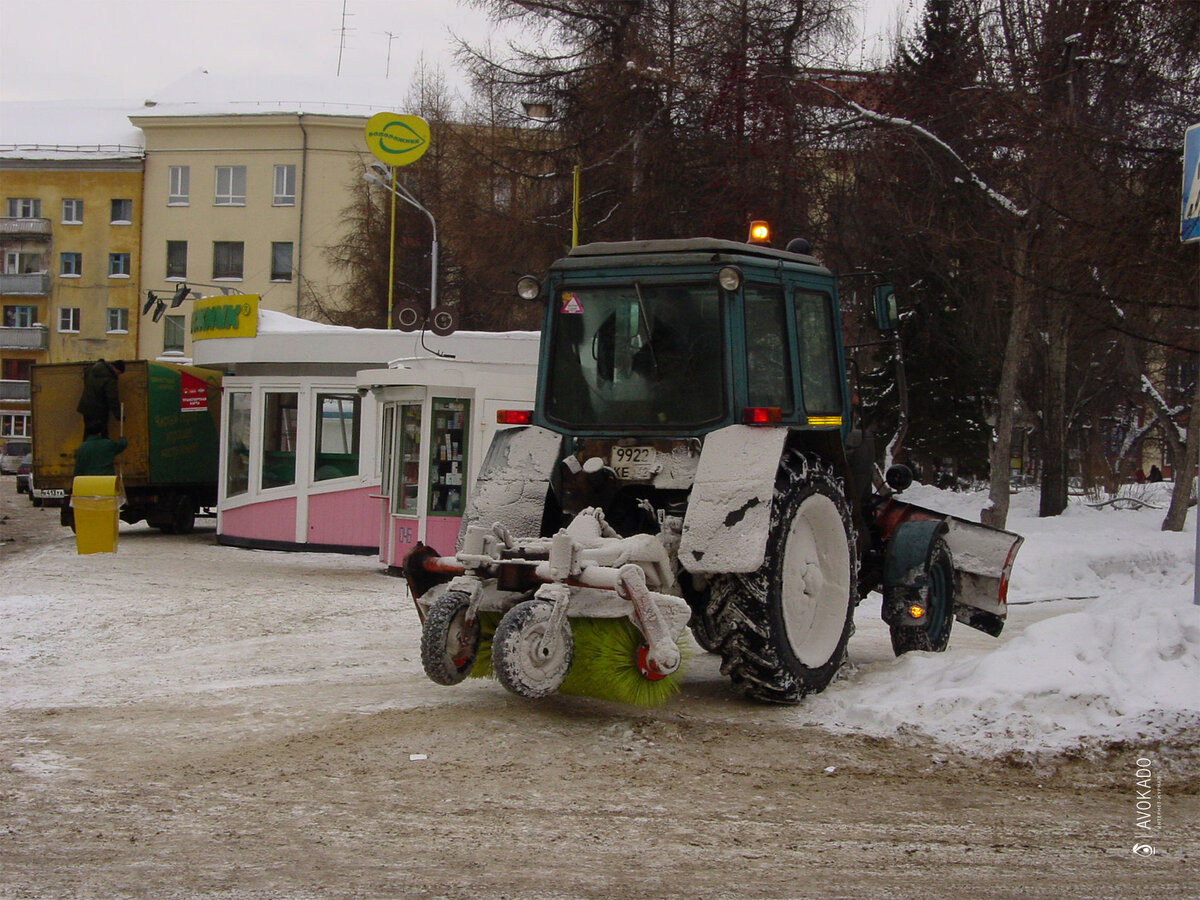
{"points": [[512, 482], [729, 512], [906, 555]]}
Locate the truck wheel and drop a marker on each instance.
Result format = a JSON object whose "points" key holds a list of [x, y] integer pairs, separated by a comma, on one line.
{"points": [[183, 515], [448, 643], [527, 656], [786, 626], [933, 634]]}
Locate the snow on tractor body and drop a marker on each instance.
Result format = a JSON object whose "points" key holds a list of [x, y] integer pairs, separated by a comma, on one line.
{"points": [[690, 461]]}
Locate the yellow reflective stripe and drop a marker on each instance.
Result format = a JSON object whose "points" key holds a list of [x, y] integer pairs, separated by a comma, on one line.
{"points": [[824, 420]]}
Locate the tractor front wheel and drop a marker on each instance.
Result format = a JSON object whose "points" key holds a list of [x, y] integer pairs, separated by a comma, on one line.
{"points": [[785, 627]]}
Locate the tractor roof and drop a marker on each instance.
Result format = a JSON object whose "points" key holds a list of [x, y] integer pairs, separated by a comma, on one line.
{"points": [[679, 251]]}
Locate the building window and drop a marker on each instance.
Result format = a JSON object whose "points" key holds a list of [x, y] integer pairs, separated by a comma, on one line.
{"points": [[68, 318], [177, 259], [227, 259], [231, 186], [122, 212], [70, 265], [24, 208], [279, 440], [118, 265], [281, 261], [177, 185], [337, 436], [15, 424], [72, 212], [285, 186], [20, 316], [118, 320], [19, 262], [173, 334]]}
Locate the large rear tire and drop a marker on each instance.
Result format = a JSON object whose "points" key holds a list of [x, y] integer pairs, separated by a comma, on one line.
{"points": [[783, 629], [934, 634]]}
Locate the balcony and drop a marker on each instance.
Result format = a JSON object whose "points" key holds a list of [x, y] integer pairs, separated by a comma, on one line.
{"points": [[36, 284], [24, 229], [14, 390], [35, 337]]}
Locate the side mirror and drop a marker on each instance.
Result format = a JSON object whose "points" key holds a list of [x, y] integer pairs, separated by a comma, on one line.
{"points": [[887, 315]]}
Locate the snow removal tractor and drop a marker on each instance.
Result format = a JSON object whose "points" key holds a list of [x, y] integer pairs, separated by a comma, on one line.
{"points": [[691, 461]]}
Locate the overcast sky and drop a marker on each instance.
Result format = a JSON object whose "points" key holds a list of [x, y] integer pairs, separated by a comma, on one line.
{"points": [[128, 49]]}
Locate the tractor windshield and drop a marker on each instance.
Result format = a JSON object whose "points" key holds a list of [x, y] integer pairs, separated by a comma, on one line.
{"points": [[636, 355]]}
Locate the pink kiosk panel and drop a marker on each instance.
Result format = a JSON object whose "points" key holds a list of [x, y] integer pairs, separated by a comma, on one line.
{"points": [[344, 518], [274, 520]]}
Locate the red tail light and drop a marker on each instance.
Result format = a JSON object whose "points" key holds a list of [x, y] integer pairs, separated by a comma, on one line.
{"points": [[514, 417], [762, 415]]}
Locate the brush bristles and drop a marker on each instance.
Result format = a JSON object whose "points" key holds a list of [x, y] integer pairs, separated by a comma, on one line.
{"points": [[604, 665], [483, 658]]}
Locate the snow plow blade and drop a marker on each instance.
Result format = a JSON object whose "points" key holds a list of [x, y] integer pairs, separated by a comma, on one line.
{"points": [[983, 559]]}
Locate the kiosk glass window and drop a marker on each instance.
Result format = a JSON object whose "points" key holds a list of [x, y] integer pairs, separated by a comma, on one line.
{"points": [[279, 440], [237, 446], [408, 468], [337, 436], [448, 452]]}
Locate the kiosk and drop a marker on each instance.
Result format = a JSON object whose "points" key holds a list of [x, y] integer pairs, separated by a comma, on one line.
{"points": [[349, 439]]}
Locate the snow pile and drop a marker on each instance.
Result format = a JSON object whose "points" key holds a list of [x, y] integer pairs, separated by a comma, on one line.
{"points": [[1102, 644]]}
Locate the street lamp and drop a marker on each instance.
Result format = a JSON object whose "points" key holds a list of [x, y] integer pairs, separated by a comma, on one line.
{"points": [[443, 321]]}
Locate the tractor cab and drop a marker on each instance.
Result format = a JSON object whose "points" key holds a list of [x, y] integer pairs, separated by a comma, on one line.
{"points": [[680, 338]]}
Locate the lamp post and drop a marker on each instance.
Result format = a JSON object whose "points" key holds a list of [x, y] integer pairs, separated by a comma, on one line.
{"points": [[374, 175]]}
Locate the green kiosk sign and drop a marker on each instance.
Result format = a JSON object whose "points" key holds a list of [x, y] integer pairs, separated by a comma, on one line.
{"points": [[395, 139]]}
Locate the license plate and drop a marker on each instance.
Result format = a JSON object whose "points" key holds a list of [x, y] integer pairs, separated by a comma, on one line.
{"points": [[633, 463], [52, 492]]}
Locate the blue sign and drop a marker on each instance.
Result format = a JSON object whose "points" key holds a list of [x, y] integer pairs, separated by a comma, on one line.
{"points": [[1189, 228]]}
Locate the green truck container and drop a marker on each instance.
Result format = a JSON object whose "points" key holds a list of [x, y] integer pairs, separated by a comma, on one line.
{"points": [[172, 420]]}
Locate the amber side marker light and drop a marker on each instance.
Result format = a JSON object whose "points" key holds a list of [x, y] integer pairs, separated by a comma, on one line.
{"points": [[762, 415], [514, 417], [917, 612]]}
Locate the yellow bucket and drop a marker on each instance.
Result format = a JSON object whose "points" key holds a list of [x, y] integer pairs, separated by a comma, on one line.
{"points": [[96, 505]]}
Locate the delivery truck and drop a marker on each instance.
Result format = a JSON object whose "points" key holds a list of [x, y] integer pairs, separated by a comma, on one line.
{"points": [[170, 417]]}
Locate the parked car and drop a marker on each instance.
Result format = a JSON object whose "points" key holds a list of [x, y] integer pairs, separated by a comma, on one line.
{"points": [[25, 475], [11, 454]]}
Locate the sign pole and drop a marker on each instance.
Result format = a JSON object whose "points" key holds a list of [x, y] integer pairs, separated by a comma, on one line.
{"points": [[575, 208], [392, 254]]}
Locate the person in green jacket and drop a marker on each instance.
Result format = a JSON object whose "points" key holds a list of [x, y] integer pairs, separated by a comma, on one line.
{"points": [[97, 455]]}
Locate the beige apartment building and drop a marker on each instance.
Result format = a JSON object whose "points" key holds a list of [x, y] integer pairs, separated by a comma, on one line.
{"points": [[70, 234], [245, 193]]}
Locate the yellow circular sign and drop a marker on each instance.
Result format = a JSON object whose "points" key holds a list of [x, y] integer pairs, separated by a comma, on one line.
{"points": [[395, 139]]}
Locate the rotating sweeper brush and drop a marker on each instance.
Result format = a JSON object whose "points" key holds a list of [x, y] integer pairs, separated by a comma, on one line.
{"points": [[584, 612]]}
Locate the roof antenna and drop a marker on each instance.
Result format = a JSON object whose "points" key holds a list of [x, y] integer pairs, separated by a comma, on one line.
{"points": [[342, 39]]}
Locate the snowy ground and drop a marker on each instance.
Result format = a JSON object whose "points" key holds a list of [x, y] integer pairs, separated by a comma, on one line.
{"points": [[1102, 643], [180, 719]]}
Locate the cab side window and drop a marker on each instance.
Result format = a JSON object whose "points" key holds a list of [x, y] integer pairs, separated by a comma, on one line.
{"points": [[819, 377], [768, 363]]}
